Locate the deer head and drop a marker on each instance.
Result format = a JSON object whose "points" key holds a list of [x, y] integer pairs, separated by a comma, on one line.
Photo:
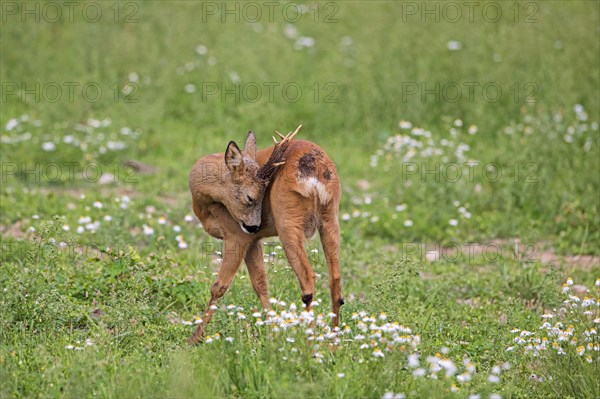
{"points": [[249, 181]]}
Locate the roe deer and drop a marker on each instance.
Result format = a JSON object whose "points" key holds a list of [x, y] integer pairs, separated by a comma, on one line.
{"points": [[288, 190]]}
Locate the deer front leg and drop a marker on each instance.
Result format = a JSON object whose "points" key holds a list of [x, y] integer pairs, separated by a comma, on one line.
{"points": [[233, 252], [258, 276]]}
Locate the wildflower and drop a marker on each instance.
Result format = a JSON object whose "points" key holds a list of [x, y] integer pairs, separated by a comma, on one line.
{"points": [[290, 31], [449, 366], [97, 204], [569, 281], [378, 353], [580, 350], [190, 88], [229, 339], [408, 223], [12, 123], [453, 45], [405, 124], [304, 42], [587, 302], [69, 346], [413, 360], [453, 222], [201, 49], [494, 379], [420, 372], [469, 366], [401, 207], [48, 146], [148, 230], [341, 375], [162, 220]]}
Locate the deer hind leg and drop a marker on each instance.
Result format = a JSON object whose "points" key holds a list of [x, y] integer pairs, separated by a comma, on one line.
{"points": [[292, 239], [233, 252], [329, 231], [258, 276]]}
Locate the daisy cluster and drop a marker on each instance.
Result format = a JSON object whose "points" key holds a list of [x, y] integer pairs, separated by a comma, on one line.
{"points": [[576, 128], [300, 42], [98, 215], [400, 211], [79, 346], [463, 373], [569, 330], [372, 335], [418, 143], [93, 138]]}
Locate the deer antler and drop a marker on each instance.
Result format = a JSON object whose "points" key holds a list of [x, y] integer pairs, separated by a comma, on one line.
{"points": [[267, 171]]}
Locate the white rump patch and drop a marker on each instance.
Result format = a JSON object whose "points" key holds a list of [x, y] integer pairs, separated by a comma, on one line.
{"points": [[312, 186]]}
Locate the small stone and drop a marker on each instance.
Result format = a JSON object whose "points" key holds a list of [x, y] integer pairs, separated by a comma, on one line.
{"points": [[580, 290]]}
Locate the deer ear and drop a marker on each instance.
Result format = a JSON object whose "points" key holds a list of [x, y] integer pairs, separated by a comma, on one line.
{"points": [[250, 146], [233, 157]]}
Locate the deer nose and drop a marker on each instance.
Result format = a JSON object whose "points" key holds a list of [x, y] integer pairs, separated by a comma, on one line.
{"points": [[251, 229]]}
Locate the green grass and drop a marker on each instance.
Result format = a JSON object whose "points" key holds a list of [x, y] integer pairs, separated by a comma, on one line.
{"points": [[85, 257]]}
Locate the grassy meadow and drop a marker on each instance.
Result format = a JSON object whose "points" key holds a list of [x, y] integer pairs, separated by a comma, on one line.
{"points": [[467, 143]]}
